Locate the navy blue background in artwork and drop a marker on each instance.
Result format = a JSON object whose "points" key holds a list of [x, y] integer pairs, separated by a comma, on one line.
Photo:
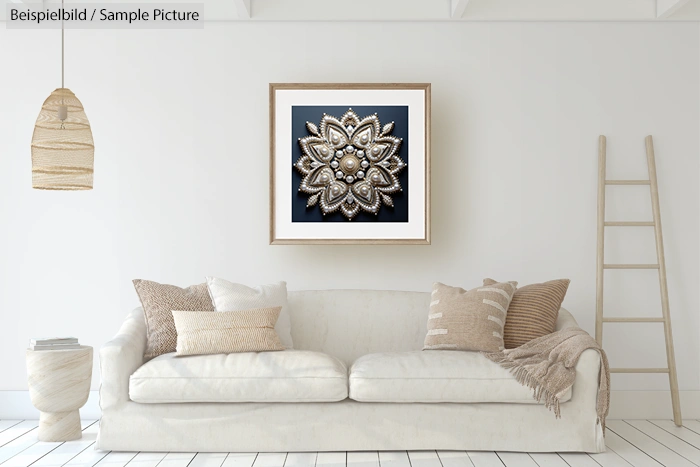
{"points": [[313, 114]]}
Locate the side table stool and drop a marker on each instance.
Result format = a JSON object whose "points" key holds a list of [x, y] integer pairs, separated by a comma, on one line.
{"points": [[59, 385]]}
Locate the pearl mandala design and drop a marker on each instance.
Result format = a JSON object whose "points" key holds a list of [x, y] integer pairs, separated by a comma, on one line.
{"points": [[350, 164]]}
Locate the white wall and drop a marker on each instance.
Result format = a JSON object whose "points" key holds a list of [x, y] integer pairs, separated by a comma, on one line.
{"points": [[181, 185]]}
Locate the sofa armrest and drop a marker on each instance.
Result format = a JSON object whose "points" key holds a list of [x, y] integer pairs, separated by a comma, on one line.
{"points": [[585, 388], [120, 357], [565, 320]]}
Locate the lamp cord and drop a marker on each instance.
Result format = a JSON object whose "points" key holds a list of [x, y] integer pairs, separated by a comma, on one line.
{"points": [[62, 115], [62, 48]]}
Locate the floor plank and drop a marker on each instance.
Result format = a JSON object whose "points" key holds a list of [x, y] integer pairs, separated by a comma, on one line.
{"points": [[693, 425], [65, 452], [677, 445], [31, 454], [331, 459], [17, 445], [516, 459], [146, 459], [5, 424], [17, 431], [177, 459], [300, 459], [484, 459], [653, 448], [87, 458], [394, 459], [609, 458], [681, 432], [579, 459], [116, 459], [424, 459], [362, 459], [87, 423], [454, 459], [61, 454], [270, 459], [548, 460], [240, 459], [207, 459], [628, 451]]}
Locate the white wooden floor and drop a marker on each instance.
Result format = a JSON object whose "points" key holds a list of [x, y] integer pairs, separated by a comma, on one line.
{"points": [[638, 443]]}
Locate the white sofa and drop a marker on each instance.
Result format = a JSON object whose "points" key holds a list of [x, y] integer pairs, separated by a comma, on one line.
{"points": [[357, 380]]}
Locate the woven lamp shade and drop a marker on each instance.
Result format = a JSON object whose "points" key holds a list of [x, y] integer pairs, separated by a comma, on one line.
{"points": [[62, 150]]}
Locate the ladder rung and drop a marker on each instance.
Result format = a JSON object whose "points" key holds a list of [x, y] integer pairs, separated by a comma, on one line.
{"points": [[638, 370], [629, 224], [630, 266], [627, 182], [633, 320]]}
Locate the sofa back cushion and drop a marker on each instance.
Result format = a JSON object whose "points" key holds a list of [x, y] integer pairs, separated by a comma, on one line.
{"points": [[348, 324]]}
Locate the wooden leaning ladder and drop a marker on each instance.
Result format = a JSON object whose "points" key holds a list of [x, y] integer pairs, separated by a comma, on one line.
{"points": [[660, 266]]}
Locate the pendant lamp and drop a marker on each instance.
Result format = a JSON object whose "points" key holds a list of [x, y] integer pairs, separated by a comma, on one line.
{"points": [[62, 146]]}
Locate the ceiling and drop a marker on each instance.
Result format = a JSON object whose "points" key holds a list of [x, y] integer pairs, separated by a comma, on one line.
{"points": [[434, 10]]}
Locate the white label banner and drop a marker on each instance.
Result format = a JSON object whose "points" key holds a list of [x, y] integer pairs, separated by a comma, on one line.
{"points": [[105, 16]]}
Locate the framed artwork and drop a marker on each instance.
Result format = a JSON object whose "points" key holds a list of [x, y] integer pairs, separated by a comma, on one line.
{"points": [[349, 163]]}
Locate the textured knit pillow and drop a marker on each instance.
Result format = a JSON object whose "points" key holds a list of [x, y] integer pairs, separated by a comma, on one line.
{"points": [[468, 320], [158, 301], [228, 296], [533, 312], [200, 333]]}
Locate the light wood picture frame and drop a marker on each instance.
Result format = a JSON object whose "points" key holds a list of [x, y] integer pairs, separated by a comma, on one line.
{"points": [[350, 163]]}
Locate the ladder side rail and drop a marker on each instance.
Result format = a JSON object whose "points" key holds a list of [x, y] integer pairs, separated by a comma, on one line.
{"points": [[663, 286], [600, 255]]}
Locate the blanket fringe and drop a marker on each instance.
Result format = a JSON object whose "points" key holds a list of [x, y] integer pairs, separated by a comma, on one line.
{"points": [[540, 392]]}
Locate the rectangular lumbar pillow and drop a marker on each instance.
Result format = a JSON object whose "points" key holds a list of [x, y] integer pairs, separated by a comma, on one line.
{"points": [[533, 312], [468, 320], [201, 333], [229, 296], [158, 301]]}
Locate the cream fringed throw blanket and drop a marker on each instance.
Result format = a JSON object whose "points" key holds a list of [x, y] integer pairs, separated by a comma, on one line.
{"points": [[548, 366]]}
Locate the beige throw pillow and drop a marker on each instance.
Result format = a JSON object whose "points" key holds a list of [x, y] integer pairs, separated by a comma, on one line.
{"points": [[468, 320], [158, 301], [533, 312], [201, 333]]}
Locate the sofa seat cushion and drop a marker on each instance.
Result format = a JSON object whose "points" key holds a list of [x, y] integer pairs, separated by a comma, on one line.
{"points": [[435, 376], [285, 376]]}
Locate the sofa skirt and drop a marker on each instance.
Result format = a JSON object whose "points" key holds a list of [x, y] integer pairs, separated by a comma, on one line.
{"points": [[348, 426]]}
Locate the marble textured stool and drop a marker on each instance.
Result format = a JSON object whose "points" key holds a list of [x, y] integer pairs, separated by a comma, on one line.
{"points": [[59, 385]]}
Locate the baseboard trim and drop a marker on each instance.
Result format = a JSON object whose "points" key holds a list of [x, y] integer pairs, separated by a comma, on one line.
{"points": [[16, 405], [652, 405]]}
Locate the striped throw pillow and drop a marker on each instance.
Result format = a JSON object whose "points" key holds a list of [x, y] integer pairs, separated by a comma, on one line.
{"points": [[533, 312], [200, 333], [468, 320]]}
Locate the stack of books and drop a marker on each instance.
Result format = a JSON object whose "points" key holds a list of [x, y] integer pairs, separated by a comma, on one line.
{"points": [[54, 343]]}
